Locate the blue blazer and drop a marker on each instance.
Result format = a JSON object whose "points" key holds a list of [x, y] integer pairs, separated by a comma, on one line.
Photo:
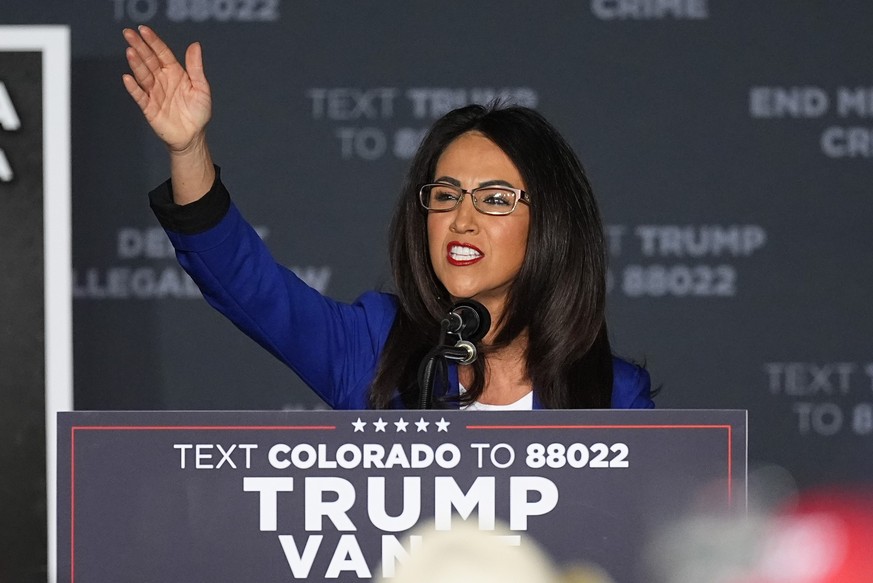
{"points": [[334, 347]]}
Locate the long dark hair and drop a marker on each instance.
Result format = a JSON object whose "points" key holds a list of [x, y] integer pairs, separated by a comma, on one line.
{"points": [[559, 295]]}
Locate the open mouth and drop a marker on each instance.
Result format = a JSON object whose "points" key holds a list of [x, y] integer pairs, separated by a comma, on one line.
{"points": [[462, 254]]}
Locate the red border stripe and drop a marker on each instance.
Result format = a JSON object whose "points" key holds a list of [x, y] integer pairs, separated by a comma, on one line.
{"points": [[331, 428], [204, 427], [728, 427], [72, 504]]}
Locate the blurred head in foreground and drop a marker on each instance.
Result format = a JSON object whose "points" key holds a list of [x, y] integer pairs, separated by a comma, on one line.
{"points": [[467, 555], [821, 537]]}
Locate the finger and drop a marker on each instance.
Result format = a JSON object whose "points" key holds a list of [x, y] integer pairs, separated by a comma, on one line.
{"points": [[141, 73], [144, 51], [194, 66], [139, 96], [161, 50]]}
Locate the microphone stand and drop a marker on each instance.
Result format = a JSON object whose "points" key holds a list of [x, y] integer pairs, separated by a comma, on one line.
{"points": [[463, 352]]}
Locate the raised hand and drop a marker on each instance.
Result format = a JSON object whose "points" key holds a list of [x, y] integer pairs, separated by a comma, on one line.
{"points": [[177, 103]]}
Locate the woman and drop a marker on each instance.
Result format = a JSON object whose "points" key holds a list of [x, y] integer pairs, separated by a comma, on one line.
{"points": [[495, 208]]}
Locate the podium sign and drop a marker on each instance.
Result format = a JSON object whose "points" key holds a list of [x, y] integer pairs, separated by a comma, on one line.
{"points": [[282, 496]]}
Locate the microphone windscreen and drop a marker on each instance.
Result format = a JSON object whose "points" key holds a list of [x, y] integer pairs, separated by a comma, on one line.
{"points": [[475, 317]]}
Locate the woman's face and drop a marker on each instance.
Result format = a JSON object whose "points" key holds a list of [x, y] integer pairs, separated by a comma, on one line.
{"points": [[476, 255]]}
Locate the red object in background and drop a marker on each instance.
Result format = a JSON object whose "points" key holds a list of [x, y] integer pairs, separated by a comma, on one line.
{"points": [[825, 537]]}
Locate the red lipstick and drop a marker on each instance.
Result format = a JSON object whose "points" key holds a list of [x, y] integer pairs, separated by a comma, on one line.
{"points": [[461, 254]]}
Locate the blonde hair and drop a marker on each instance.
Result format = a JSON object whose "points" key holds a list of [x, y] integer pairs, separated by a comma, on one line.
{"points": [[466, 554]]}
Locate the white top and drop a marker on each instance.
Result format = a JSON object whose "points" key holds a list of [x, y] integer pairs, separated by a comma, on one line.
{"points": [[525, 403]]}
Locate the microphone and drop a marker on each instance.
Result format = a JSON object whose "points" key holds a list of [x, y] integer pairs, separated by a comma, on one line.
{"points": [[469, 320]]}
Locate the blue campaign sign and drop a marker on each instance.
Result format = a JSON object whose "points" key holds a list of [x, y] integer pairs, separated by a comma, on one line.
{"points": [[278, 496]]}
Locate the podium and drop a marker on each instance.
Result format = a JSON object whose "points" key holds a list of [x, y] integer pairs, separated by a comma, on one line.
{"points": [[332, 495]]}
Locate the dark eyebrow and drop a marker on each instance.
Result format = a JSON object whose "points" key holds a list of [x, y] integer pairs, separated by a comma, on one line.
{"points": [[495, 183], [456, 182], [449, 180]]}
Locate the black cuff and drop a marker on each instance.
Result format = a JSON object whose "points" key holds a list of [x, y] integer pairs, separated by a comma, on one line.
{"points": [[196, 217]]}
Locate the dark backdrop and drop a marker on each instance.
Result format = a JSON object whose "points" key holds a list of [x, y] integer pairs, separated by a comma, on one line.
{"points": [[730, 144]]}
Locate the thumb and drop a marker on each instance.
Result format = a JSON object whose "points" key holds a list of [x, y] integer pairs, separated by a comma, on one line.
{"points": [[194, 66]]}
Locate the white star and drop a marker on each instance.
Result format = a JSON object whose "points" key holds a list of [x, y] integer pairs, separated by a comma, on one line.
{"points": [[442, 425], [401, 425], [380, 425], [359, 425], [422, 425]]}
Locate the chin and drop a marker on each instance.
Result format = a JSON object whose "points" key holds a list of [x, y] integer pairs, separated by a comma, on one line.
{"points": [[458, 292]]}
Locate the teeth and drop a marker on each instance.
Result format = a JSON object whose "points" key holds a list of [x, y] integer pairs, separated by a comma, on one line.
{"points": [[459, 252]]}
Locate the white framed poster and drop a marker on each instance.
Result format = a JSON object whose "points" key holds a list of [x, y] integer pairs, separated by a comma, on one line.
{"points": [[35, 257]]}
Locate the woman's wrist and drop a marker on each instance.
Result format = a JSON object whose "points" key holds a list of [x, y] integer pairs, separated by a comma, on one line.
{"points": [[192, 172]]}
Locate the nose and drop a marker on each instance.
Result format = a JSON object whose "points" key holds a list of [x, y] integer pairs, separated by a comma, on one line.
{"points": [[465, 216]]}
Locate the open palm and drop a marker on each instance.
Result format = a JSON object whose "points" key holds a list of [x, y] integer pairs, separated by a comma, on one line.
{"points": [[176, 101]]}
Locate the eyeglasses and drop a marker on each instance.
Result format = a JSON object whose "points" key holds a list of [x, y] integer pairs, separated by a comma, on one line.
{"points": [[489, 200]]}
